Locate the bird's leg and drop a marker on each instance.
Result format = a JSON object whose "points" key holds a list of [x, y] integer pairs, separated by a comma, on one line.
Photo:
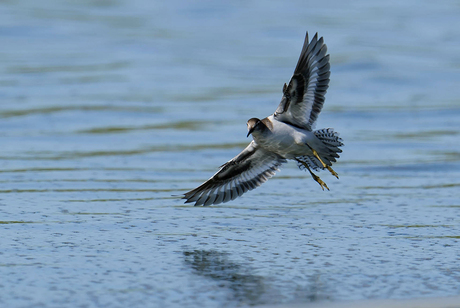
{"points": [[314, 176], [324, 165]]}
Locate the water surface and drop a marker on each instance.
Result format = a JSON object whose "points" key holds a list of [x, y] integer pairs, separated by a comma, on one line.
{"points": [[108, 108]]}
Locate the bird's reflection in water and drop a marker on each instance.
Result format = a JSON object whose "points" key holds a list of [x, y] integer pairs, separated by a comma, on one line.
{"points": [[250, 289], [245, 288]]}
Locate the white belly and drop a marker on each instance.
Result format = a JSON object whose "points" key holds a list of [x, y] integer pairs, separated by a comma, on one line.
{"points": [[286, 140]]}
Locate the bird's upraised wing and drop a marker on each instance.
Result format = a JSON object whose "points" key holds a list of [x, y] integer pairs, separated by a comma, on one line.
{"points": [[248, 170], [303, 98]]}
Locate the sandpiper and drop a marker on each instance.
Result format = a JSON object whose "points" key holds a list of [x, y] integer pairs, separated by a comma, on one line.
{"points": [[285, 135]]}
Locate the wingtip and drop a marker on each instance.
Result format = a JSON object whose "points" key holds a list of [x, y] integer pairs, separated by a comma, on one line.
{"points": [[180, 196], [187, 200]]}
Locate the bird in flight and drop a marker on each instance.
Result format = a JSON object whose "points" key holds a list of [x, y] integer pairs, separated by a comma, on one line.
{"points": [[285, 135]]}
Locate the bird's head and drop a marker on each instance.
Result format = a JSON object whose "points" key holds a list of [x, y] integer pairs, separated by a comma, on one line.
{"points": [[253, 124]]}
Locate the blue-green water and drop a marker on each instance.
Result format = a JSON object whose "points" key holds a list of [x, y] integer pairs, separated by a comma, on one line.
{"points": [[107, 108]]}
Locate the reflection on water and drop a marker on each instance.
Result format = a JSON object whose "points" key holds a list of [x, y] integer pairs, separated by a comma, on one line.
{"points": [[248, 288], [244, 287]]}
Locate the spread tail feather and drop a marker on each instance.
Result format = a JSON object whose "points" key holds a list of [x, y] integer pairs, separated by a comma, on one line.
{"points": [[332, 143]]}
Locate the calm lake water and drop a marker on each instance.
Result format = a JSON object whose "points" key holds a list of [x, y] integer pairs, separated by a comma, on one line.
{"points": [[108, 108]]}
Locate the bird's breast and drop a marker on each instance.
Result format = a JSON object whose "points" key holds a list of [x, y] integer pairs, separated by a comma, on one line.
{"points": [[283, 139]]}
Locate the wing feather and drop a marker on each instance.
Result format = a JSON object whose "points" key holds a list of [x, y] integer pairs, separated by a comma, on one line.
{"points": [[303, 98], [248, 170]]}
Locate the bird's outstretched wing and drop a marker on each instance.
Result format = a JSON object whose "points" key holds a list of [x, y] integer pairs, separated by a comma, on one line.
{"points": [[303, 98], [248, 170]]}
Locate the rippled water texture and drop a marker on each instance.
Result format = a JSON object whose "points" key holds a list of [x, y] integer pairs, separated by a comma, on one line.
{"points": [[108, 108]]}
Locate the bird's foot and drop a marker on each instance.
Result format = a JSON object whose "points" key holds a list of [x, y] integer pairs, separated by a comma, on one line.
{"points": [[332, 171], [324, 165], [314, 176], [319, 181]]}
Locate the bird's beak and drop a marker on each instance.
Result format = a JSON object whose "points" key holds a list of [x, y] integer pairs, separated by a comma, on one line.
{"points": [[250, 131]]}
